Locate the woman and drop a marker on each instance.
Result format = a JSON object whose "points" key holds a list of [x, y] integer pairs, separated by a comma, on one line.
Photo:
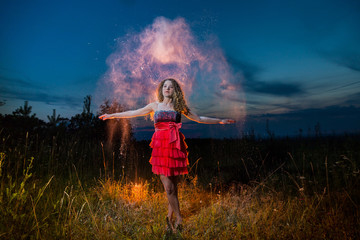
{"points": [[169, 155]]}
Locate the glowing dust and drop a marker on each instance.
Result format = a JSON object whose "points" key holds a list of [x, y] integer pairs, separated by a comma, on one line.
{"points": [[165, 49]]}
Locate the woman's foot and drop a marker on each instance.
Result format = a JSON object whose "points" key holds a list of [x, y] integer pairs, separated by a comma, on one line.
{"points": [[169, 226], [179, 226]]}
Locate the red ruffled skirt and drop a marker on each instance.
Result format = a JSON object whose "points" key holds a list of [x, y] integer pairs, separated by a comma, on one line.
{"points": [[169, 156]]}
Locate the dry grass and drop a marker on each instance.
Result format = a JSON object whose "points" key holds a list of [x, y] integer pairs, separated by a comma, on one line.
{"points": [[125, 210]]}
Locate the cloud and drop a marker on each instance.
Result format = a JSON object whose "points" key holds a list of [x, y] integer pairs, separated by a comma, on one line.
{"points": [[336, 119], [276, 88], [317, 113], [37, 96], [18, 88], [353, 99], [248, 70], [15, 88], [252, 83], [348, 59], [17, 83]]}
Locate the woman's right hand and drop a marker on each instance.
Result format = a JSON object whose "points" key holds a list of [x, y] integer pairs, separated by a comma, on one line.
{"points": [[105, 116], [227, 121]]}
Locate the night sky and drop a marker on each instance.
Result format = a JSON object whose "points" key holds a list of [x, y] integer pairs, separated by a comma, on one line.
{"points": [[298, 62]]}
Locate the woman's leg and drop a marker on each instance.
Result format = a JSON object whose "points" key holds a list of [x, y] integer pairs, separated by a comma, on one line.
{"points": [[170, 185], [170, 211]]}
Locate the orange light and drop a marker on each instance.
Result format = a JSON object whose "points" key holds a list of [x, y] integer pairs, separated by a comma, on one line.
{"points": [[139, 192]]}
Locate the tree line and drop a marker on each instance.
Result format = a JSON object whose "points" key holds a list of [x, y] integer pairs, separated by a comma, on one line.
{"points": [[83, 141]]}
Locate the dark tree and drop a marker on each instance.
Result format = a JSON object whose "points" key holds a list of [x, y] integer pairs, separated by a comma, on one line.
{"points": [[24, 111], [53, 119], [87, 105]]}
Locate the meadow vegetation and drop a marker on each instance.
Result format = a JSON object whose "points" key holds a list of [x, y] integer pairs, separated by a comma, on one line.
{"points": [[67, 180]]}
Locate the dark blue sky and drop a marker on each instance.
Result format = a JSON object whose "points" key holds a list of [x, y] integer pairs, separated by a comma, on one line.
{"points": [[299, 60]]}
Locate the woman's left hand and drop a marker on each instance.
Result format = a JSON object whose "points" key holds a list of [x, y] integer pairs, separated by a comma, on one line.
{"points": [[227, 121], [105, 116]]}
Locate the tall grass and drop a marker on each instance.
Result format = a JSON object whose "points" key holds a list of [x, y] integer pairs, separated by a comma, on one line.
{"points": [[237, 189], [126, 210], [20, 200]]}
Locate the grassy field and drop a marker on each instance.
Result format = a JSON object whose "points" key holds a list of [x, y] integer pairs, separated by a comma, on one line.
{"points": [[68, 188]]}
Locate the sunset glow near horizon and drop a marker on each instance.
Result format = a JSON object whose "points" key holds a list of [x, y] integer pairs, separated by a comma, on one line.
{"points": [[294, 63]]}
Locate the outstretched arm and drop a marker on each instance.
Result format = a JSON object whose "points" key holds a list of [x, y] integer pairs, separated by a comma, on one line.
{"points": [[130, 114], [200, 119]]}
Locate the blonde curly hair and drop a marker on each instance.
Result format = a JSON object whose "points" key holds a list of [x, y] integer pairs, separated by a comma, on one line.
{"points": [[178, 96]]}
